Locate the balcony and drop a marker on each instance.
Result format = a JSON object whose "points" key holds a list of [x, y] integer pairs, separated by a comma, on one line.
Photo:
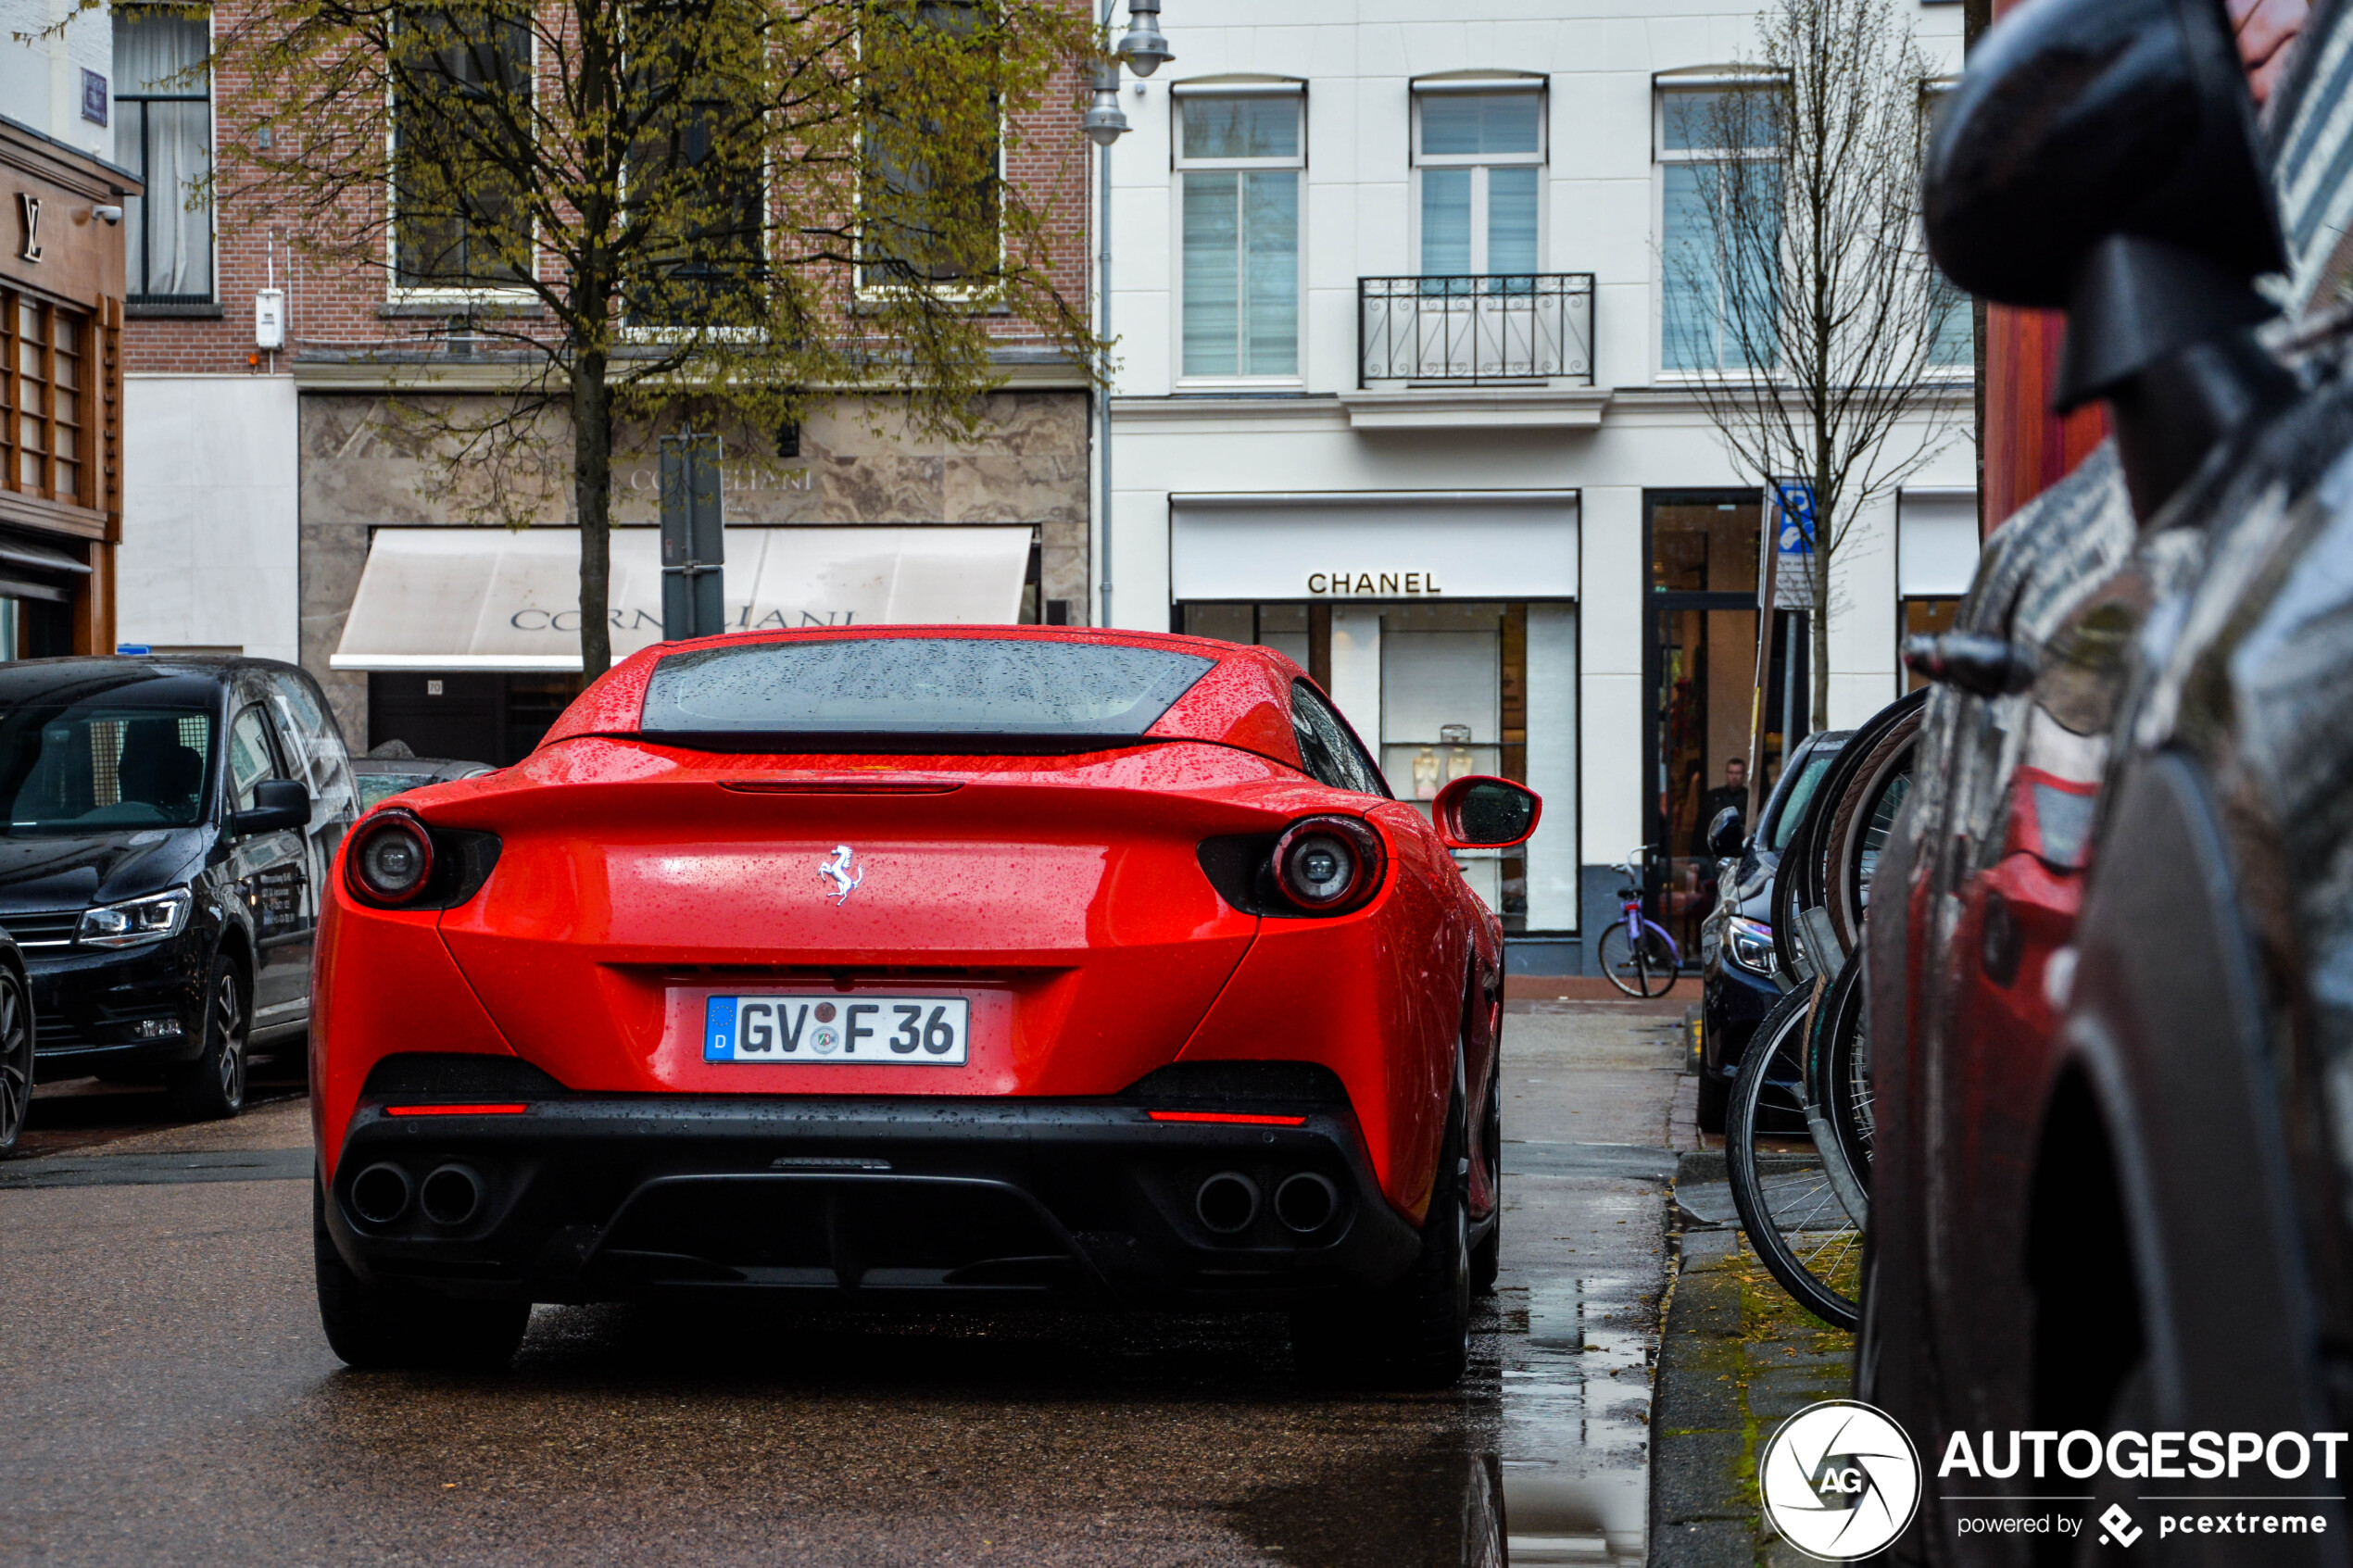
{"points": [[1503, 349]]}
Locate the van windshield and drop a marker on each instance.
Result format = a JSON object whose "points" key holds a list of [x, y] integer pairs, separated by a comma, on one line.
{"points": [[96, 766]]}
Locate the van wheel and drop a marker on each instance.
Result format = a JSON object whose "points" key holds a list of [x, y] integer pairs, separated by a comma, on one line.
{"points": [[212, 1088], [15, 1059], [372, 1329]]}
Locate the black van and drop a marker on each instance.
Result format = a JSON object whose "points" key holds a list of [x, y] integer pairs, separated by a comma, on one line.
{"points": [[169, 822]]}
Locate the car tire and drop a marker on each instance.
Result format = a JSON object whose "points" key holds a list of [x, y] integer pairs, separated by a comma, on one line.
{"points": [[1715, 1097], [212, 1088], [1417, 1334], [374, 1328], [1487, 1257], [15, 1059]]}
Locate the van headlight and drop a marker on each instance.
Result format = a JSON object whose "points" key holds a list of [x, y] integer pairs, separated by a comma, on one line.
{"points": [[138, 919], [1750, 945]]}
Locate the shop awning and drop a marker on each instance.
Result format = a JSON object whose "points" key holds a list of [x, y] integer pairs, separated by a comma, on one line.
{"points": [[497, 599]]}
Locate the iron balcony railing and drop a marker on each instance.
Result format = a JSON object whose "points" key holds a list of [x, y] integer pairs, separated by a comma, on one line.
{"points": [[1470, 331]]}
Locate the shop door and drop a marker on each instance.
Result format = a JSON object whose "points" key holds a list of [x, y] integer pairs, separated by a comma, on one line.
{"points": [[1699, 667]]}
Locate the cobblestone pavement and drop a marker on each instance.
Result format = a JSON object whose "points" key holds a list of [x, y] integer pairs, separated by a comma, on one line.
{"points": [[1737, 1357]]}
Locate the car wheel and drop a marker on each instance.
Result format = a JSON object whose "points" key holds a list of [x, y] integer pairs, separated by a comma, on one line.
{"points": [[212, 1088], [16, 1060], [1417, 1334], [1715, 1097], [1487, 1258], [374, 1328]]}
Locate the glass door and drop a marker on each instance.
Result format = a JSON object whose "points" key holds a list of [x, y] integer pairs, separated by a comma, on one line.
{"points": [[1700, 672]]}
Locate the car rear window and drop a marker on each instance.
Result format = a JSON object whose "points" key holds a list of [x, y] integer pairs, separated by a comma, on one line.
{"points": [[968, 691]]}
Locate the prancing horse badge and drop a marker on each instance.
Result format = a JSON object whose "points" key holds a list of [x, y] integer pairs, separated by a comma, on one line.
{"points": [[837, 871]]}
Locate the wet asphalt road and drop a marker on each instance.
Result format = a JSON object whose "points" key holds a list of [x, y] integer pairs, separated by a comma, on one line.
{"points": [[169, 1397]]}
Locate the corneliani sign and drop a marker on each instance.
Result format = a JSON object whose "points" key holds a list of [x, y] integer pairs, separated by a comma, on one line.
{"points": [[1378, 545], [491, 598]]}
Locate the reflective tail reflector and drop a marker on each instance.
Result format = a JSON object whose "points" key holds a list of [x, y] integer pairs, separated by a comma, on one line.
{"points": [[1228, 1116]]}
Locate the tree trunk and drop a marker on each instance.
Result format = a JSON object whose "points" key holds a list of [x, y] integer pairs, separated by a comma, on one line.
{"points": [[1818, 625], [592, 488]]}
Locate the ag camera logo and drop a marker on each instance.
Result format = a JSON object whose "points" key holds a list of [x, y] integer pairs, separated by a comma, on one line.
{"points": [[1840, 1480]]}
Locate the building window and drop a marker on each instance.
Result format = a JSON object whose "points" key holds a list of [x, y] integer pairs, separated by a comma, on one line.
{"points": [[1719, 226], [931, 193], [1241, 159], [1479, 157], [700, 179], [163, 134], [46, 375], [458, 221]]}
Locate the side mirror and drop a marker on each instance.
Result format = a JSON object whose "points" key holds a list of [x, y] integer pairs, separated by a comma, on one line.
{"points": [[278, 804], [1479, 812], [2078, 120], [1726, 834], [2101, 157]]}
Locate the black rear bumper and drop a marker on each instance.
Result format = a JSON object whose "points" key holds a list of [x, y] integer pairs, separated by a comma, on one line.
{"points": [[588, 1197]]}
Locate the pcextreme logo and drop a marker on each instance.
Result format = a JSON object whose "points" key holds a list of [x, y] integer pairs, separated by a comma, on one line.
{"points": [[1840, 1480]]}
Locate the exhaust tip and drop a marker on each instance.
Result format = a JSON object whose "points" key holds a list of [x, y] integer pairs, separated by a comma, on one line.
{"points": [[380, 1194], [451, 1195], [1227, 1203], [1306, 1201]]}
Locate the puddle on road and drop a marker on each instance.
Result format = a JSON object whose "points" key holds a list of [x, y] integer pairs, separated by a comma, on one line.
{"points": [[1549, 1464]]}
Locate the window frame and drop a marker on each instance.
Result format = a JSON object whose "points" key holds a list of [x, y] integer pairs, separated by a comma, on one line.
{"points": [[1479, 163], [1664, 88], [1179, 166], [210, 97], [89, 356], [867, 290], [270, 749], [399, 293], [1933, 89]]}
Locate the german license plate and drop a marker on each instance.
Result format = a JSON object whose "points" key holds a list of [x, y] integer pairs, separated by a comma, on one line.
{"points": [[837, 1029]]}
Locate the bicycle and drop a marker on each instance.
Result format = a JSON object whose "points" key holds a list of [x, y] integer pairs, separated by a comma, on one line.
{"points": [[1636, 953]]}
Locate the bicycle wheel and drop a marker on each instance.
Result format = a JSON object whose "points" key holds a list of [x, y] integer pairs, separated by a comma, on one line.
{"points": [[1839, 1075], [1639, 969], [1866, 810], [1791, 1210]]}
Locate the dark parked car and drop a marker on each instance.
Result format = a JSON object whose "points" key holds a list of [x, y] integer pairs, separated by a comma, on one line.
{"points": [[2111, 1035], [169, 825], [385, 771], [1737, 984]]}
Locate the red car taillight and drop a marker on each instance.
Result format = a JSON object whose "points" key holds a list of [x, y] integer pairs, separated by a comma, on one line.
{"points": [[389, 861], [1330, 865]]}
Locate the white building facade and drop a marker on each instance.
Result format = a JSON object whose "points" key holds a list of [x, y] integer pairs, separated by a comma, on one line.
{"points": [[1395, 395]]}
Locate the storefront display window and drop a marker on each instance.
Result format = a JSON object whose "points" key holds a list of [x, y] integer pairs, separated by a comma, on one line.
{"points": [[1439, 691], [1924, 617]]}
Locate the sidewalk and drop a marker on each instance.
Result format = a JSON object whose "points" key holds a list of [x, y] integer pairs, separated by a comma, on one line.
{"points": [[1737, 1357]]}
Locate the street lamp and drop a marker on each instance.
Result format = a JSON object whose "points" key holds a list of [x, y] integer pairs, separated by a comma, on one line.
{"points": [[1144, 49], [1104, 123]]}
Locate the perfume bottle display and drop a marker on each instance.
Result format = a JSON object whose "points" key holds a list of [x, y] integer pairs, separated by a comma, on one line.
{"points": [[1459, 762], [1426, 773]]}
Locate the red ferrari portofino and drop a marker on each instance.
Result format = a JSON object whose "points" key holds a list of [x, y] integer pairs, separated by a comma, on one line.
{"points": [[917, 963]]}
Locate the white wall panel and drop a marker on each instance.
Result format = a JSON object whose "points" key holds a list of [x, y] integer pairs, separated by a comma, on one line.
{"points": [[209, 473]]}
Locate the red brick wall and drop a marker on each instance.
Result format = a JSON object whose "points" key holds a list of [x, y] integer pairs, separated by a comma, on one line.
{"points": [[350, 306]]}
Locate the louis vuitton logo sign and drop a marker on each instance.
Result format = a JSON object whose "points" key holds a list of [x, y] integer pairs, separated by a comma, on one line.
{"points": [[28, 208]]}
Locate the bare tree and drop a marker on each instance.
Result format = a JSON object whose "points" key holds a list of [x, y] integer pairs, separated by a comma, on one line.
{"points": [[649, 210], [1821, 340]]}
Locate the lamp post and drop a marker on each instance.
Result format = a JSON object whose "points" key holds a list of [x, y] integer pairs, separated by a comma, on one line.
{"points": [[1144, 50]]}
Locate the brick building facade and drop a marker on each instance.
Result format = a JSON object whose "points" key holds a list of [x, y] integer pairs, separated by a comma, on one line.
{"points": [[260, 482]]}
